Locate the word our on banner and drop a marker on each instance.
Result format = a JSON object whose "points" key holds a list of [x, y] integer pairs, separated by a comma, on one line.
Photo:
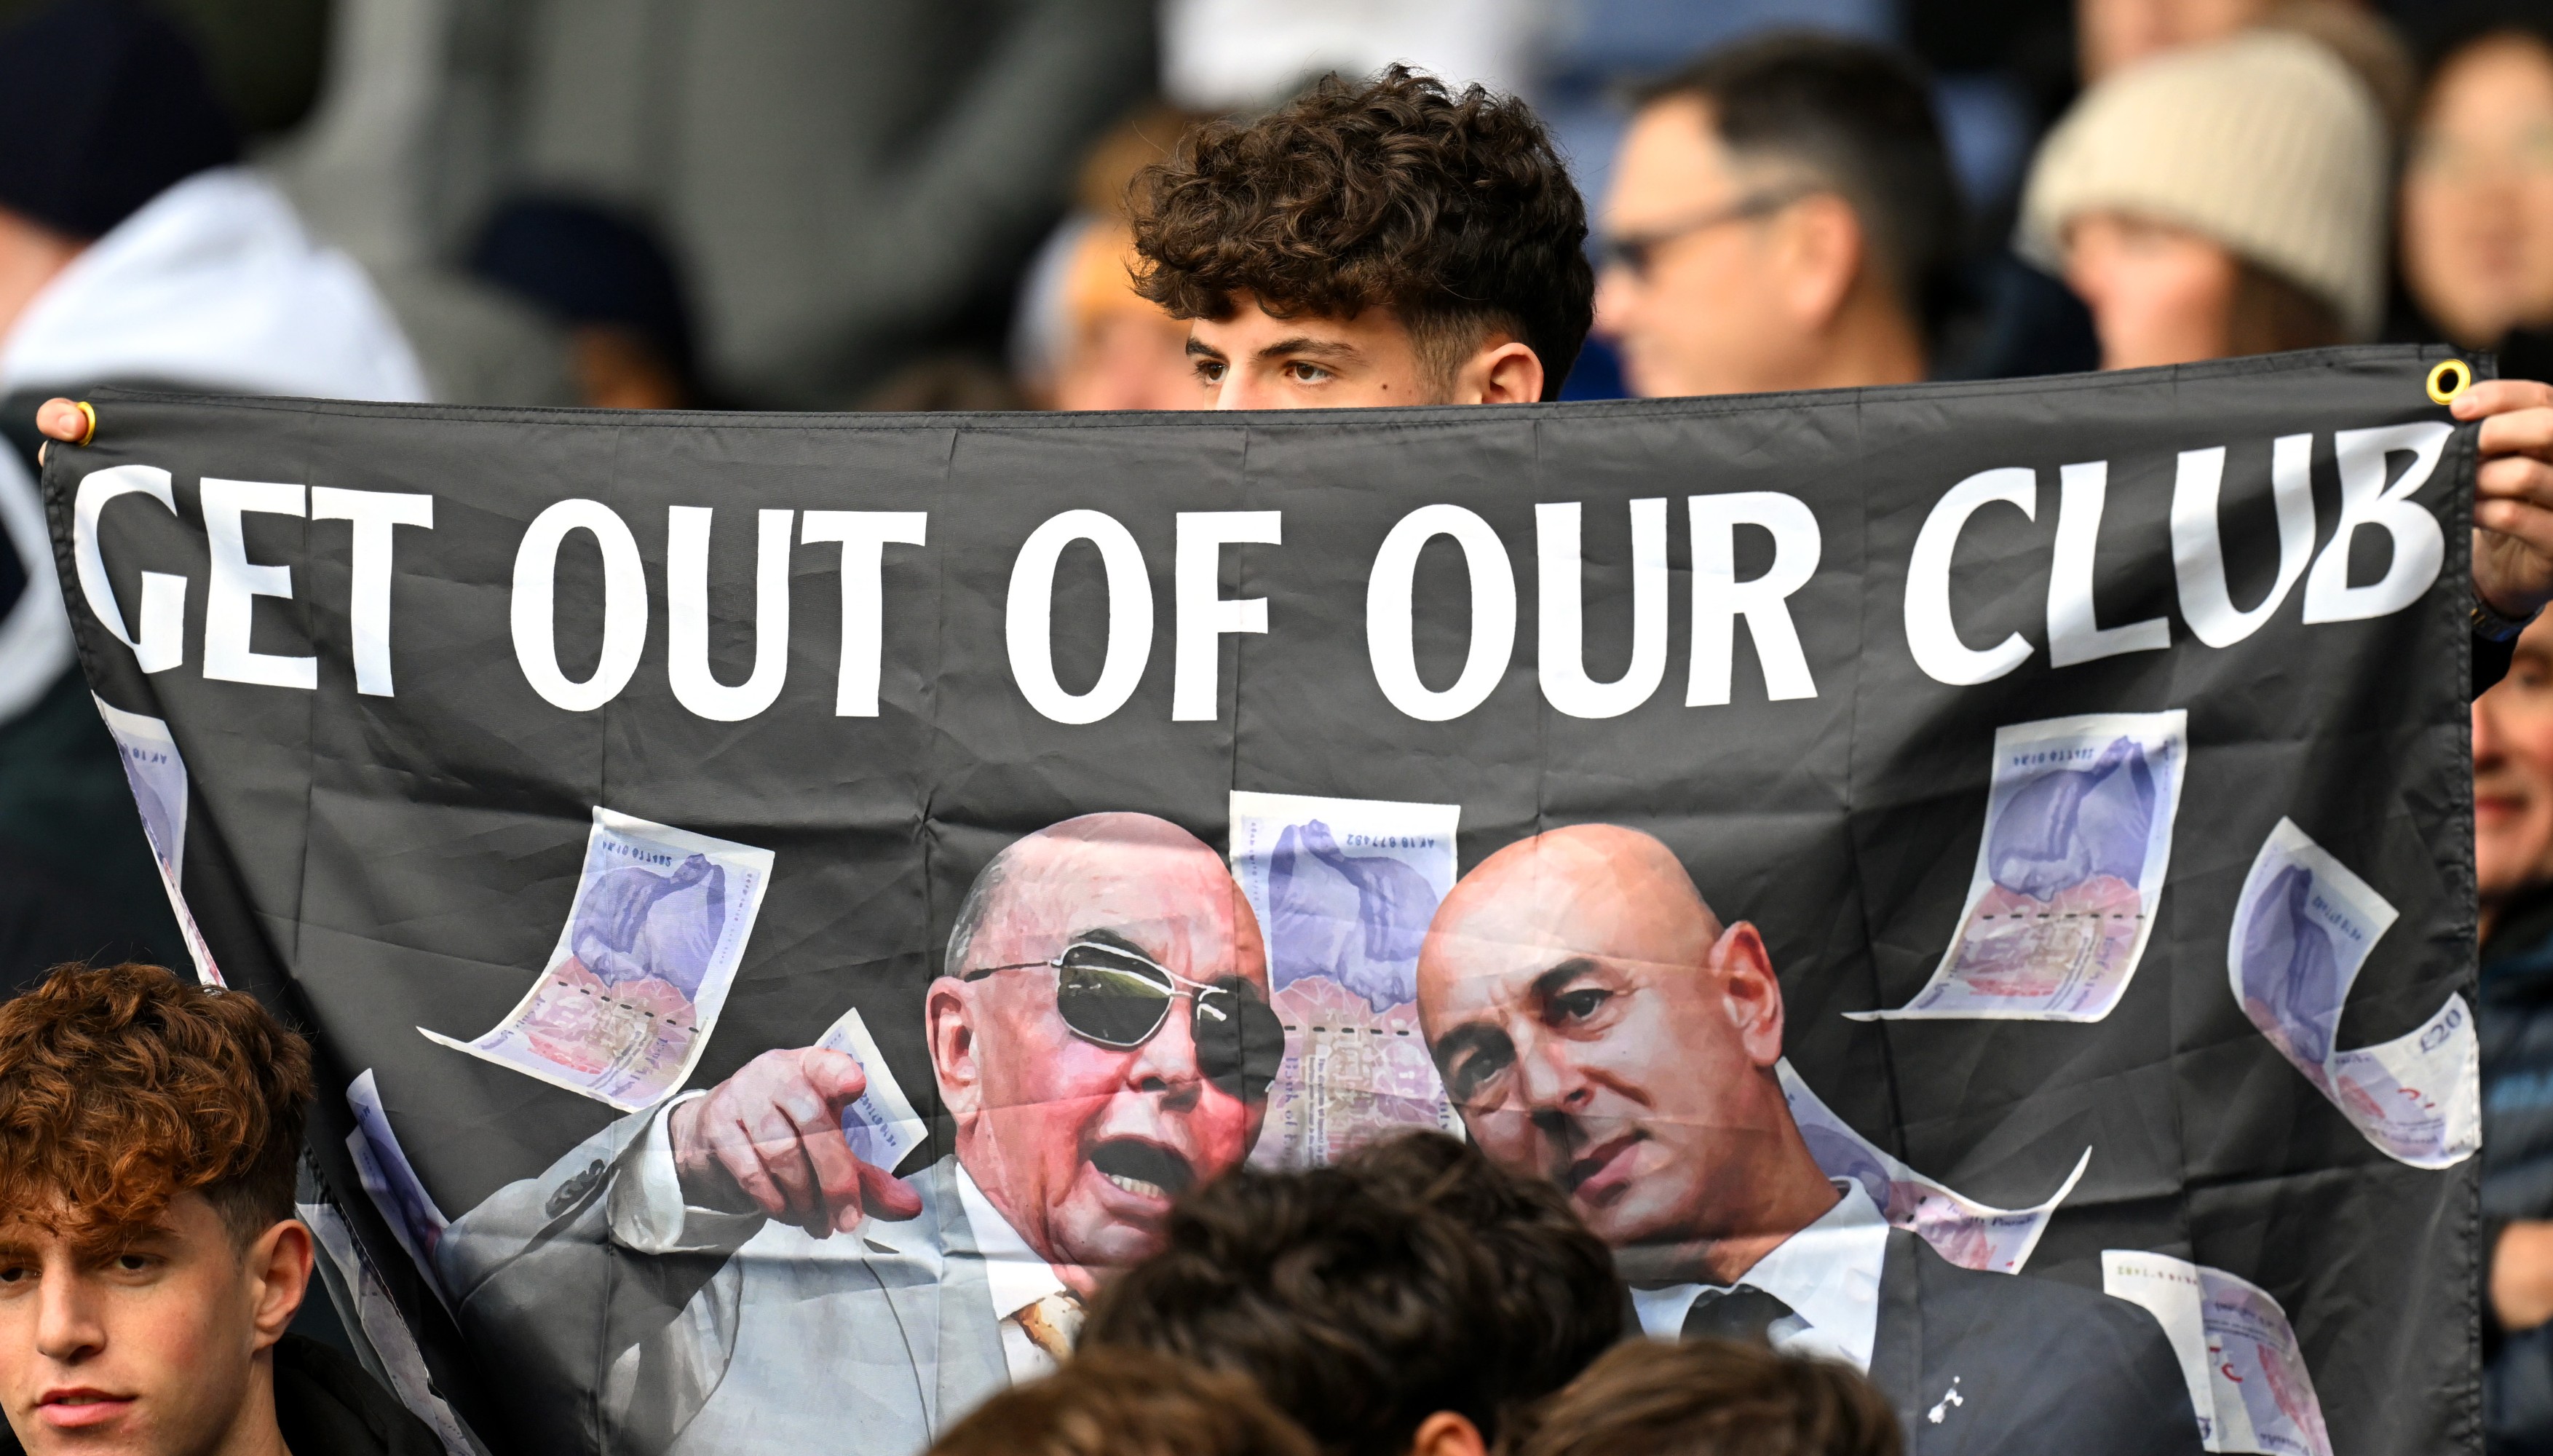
{"points": [[2013, 833]]}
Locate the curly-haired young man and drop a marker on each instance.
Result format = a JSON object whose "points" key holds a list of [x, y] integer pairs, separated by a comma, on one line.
{"points": [[150, 1259], [1390, 243], [1408, 1299]]}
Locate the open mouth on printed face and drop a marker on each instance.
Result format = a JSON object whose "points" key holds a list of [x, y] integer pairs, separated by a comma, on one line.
{"points": [[1145, 1170]]}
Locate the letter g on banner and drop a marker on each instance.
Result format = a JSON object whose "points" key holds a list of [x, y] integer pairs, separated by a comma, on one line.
{"points": [[1389, 641], [1029, 616], [161, 644], [624, 605]]}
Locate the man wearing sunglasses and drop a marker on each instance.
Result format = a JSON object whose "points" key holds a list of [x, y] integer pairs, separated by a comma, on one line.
{"points": [[1597, 1025], [1781, 217], [1101, 1041]]}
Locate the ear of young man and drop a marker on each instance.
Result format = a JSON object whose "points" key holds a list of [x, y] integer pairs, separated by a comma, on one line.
{"points": [[1448, 1433]]}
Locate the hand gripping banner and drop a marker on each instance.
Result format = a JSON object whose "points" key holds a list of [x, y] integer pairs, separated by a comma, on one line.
{"points": [[785, 902]]}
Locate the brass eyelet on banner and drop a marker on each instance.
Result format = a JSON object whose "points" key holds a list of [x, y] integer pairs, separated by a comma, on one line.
{"points": [[2451, 378], [90, 414]]}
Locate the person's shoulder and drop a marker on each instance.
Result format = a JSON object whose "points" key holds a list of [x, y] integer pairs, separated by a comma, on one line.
{"points": [[330, 1405]]}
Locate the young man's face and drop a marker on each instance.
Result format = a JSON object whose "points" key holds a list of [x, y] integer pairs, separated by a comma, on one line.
{"points": [[1255, 359], [149, 1348]]}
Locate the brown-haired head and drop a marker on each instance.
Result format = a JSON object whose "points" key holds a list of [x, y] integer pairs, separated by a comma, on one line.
{"points": [[1128, 1403], [1453, 211], [123, 1087], [1710, 1397]]}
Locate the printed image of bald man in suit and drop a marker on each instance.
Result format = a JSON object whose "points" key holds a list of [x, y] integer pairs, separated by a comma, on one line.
{"points": [[722, 1275], [1597, 1025]]}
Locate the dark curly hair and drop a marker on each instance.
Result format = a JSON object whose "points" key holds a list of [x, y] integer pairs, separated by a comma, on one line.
{"points": [[123, 1086], [1127, 1402], [1454, 211], [1414, 1277], [1710, 1398]]}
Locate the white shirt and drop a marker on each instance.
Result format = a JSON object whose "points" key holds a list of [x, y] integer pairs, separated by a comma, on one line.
{"points": [[1017, 1275], [648, 1214], [1828, 1273]]}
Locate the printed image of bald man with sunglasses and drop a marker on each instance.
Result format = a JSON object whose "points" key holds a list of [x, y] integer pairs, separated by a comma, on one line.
{"points": [[1102, 1041]]}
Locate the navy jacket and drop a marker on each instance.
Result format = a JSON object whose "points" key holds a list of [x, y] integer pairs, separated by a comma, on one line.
{"points": [[2516, 1029]]}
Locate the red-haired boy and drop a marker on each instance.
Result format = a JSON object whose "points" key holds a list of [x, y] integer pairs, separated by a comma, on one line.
{"points": [[150, 1259]]}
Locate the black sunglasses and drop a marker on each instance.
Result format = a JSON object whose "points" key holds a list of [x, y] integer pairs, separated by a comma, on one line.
{"points": [[1120, 998]]}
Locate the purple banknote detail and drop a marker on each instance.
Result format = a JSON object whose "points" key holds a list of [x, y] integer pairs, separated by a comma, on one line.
{"points": [[641, 969], [2304, 926], [1344, 890], [2076, 846]]}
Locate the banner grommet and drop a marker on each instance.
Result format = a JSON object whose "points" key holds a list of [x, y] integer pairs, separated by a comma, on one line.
{"points": [[2451, 378], [87, 413]]}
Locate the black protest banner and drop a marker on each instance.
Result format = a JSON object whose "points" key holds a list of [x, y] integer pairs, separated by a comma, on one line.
{"points": [[2021, 831]]}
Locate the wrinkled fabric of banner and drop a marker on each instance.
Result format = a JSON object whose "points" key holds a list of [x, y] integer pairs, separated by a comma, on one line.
{"points": [[2030, 822]]}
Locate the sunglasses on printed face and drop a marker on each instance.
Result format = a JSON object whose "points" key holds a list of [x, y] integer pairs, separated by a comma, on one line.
{"points": [[1120, 998]]}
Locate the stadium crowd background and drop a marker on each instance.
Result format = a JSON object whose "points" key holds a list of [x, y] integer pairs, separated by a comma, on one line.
{"points": [[924, 204]]}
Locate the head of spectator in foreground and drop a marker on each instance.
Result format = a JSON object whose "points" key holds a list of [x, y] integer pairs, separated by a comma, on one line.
{"points": [[1407, 1299], [1710, 1397], [1385, 243], [2512, 750], [2477, 187], [1782, 216], [2222, 200], [1128, 1403], [105, 106], [149, 1254]]}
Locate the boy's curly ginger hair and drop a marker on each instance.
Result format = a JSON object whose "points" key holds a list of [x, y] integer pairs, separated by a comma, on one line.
{"points": [[123, 1087], [1453, 210]]}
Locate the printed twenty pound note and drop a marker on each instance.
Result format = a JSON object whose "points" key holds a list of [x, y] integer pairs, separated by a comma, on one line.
{"points": [[158, 778], [2303, 929], [880, 1124], [391, 1181], [2076, 843], [1960, 1228], [641, 969], [1344, 890], [2247, 1376]]}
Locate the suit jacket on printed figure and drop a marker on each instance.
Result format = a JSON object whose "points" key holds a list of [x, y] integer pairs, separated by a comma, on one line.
{"points": [[2002, 1365], [750, 1336]]}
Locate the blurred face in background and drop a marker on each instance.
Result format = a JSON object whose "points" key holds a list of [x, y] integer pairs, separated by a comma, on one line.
{"points": [[1121, 351], [2478, 192], [2164, 294], [1703, 296], [2159, 293], [2114, 34], [2513, 728]]}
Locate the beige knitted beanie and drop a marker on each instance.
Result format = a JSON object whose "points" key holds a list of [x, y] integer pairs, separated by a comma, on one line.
{"points": [[2265, 142]]}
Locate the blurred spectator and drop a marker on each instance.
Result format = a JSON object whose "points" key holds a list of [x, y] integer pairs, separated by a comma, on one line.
{"points": [[1128, 1403], [1384, 243], [2478, 193], [851, 184], [957, 379], [2513, 746], [606, 280], [2221, 200], [130, 251], [2113, 34], [1084, 337], [1406, 1300], [1782, 217], [1710, 1397]]}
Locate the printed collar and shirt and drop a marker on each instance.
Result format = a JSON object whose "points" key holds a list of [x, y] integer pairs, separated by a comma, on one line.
{"points": [[1037, 1312], [1828, 1273]]}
